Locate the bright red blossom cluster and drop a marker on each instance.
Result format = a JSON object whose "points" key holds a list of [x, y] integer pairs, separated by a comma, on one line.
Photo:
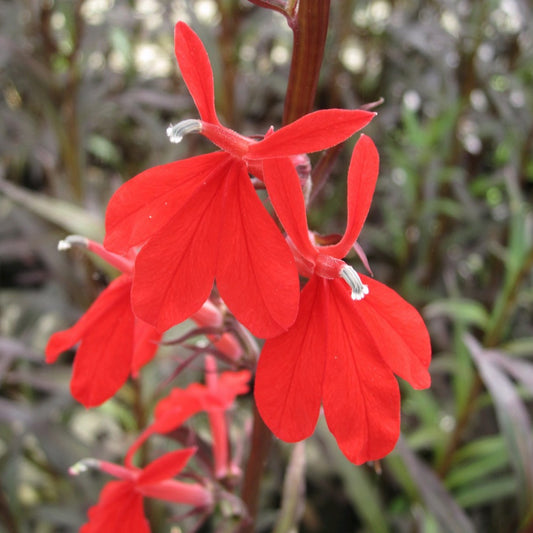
{"points": [[175, 230]]}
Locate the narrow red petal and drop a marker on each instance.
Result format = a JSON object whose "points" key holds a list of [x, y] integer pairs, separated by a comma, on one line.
{"points": [[232, 384], [146, 203], [170, 413], [165, 467], [397, 330], [196, 71], [285, 193], [362, 177], [361, 396], [120, 510], [288, 383], [103, 360], [256, 274], [189, 400], [175, 270], [311, 133]]}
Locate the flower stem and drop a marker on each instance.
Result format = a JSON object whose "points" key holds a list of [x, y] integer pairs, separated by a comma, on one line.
{"points": [[310, 27], [261, 442], [310, 32]]}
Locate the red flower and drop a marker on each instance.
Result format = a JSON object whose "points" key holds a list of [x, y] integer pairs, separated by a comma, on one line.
{"points": [[200, 218], [114, 344], [120, 508], [215, 398], [344, 349]]}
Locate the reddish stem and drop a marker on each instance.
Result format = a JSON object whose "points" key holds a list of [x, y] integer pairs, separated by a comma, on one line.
{"points": [[310, 32], [310, 26]]}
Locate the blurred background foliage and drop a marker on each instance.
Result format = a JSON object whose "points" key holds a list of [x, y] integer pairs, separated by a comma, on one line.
{"points": [[88, 88]]}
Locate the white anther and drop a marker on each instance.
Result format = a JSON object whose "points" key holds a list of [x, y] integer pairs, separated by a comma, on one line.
{"points": [[72, 240], [83, 466], [351, 277], [176, 132]]}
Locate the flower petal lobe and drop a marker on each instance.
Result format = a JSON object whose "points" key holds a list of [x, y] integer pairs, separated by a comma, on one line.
{"points": [[311, 133], [256, 274], [146, 203], [361, 395], [288, 385], [196, 71], [362, 177]]}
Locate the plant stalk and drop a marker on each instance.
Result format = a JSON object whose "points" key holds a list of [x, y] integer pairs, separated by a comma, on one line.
{"points": [[309, 29], [309, 33]]}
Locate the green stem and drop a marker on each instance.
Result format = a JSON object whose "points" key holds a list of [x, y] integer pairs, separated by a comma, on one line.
{"points": [[503, 310], [293, 491]]}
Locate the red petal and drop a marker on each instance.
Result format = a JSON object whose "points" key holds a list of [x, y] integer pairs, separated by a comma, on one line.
{"points": [[120, 510], [146, 342], [146, 203], [232, 384], [196, 71], [165, 467], [311, 133], [256, 274], [171, 412], [361, 396], [397, 329], [285, 192], [175, 270], [288, 383], [362, 177], [189, 400], [103, 360]]}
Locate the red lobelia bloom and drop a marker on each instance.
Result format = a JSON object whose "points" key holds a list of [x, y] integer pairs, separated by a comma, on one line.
{"points": [[214, 398], [113, 342], [348, 340], [200, 219], [120, 508]]}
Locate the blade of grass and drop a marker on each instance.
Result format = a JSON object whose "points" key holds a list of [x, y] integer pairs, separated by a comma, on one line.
{"points": [[70, 217], [513, 419], [433, 493]]}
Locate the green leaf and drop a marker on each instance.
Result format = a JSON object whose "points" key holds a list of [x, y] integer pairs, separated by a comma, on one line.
{"points": [[292, 501], [70, 217], [358, 483], [487, 492], [492, 444], [513, 418], [519, 347], [433, 493], [484, 467], [463, 310], [103, 149]]}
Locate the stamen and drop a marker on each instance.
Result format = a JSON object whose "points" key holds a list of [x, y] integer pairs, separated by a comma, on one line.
{"points": [[83, 466], [72, 240], [176, 132], [351, 277]]}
